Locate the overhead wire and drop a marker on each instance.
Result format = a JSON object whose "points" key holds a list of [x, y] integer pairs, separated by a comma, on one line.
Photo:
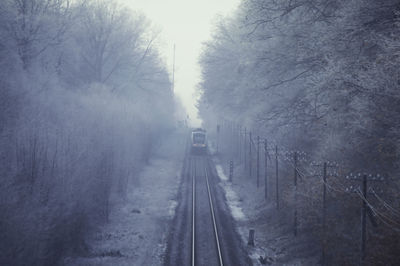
{"points": [[342, 188], [378, 214], [385, 204]]}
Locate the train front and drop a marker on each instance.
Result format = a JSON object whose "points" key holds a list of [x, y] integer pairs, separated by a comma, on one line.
{"points": [[199, 141]]}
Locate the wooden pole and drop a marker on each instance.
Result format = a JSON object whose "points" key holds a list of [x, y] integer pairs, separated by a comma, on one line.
{"points": [[245, 149], [266, 168], [295, 193], [250, 163], [276, 175], [364, 220], [230, 170], [240, 143], [218, 130], [258, 161], [173, 72], [323, 216], [251, 238]]}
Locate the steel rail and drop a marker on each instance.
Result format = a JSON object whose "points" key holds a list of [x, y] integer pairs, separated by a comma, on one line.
{"points": [[213, 218], [193, 173]]}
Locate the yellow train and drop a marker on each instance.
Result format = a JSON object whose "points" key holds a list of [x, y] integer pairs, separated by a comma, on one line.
{"points": [[198, 141]]}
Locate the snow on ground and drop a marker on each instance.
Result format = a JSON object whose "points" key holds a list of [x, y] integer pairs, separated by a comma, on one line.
{"points": [[220, 172], [137, 230], [273, 239], [230, 195], [235, 194]]}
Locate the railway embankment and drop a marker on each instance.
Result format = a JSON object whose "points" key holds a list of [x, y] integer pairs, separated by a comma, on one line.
{"points": [[138, 225], [274, 242]]}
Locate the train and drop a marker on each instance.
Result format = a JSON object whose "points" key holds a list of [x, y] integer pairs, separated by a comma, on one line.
{"points": [[198, 141]]}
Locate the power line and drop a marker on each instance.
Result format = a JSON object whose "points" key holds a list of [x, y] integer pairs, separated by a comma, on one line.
{"points": [[377, 213], [385, 204], [340, 187]]}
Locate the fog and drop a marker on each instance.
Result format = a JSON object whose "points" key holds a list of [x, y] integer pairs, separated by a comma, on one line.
{"points": [[299, 99], [84, 96], [186, 24], [317, 81]]}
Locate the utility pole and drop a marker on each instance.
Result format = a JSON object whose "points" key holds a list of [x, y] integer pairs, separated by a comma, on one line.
{"points": [[324, 215], [218, 130], [245, 149], [236, 132], [223, 137], [240, 144], [363, 192], [295, 193], [232, 138], [276, 174], [230, 170], [234, 144], [250, 163], [364, 219], [173, 73], [266, 168], [258, 161]]}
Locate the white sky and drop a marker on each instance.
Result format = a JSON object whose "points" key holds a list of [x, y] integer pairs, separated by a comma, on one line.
{"points": [[187, 23]]}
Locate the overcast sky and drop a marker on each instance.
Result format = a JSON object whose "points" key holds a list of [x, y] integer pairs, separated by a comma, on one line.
{"points": [[187, 23]]}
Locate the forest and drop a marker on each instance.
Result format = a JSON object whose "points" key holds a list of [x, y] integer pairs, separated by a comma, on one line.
{"points": [[320, 79], [84, 94]]}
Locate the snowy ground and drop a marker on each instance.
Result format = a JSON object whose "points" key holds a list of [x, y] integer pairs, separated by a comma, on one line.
{"points": [[273, 240], [231, 196], [138, 225]]}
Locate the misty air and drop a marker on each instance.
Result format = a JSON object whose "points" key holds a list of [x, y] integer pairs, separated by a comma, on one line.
{"points": [[202, 133]]}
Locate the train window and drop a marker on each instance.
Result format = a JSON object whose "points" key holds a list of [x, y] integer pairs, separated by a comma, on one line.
{"points": [[198, 138]]}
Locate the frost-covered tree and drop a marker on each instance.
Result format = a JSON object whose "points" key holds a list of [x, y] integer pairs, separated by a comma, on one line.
{"points": [[34, 26], [84, 96], [319, 76]]}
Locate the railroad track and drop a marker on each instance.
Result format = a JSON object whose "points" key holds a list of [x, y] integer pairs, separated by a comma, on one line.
{"points": [[200, 171], [203, 231]]}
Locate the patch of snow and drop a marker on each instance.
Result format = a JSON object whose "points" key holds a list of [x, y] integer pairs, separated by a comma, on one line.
{"points": [[172, 207], [137, 229], [233, 202], [231, 196], [220, 172]]}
